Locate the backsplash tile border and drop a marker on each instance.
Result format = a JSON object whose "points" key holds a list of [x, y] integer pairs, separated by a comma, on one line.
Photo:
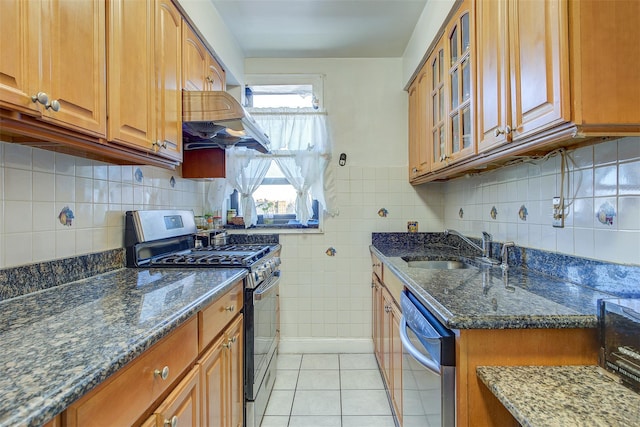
{"points": [[616, 279], [26, 279]]}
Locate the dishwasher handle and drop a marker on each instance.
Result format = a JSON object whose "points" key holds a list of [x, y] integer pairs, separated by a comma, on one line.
{"points": [[425, 361]]}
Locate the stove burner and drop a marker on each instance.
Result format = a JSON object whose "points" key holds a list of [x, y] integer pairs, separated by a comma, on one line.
{"points": [[222, 256]]}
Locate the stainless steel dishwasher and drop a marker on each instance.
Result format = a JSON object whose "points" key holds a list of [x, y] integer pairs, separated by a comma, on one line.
{"points": [[428, 367]]}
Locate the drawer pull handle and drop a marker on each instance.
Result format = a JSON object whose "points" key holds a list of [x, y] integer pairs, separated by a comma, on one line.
{"points": [[164, 373], [230, 308], [173, 422]]}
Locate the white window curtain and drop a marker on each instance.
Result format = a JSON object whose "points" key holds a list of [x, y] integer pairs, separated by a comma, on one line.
{"points": [[301, 147], [245, 170]]}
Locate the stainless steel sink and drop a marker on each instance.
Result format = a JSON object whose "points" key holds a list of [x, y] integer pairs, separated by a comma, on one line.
{"points": [[439, 265]]}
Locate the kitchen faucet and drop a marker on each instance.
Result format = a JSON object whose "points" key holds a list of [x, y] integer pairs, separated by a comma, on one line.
{"points": [[486, 243], [504, 255]]}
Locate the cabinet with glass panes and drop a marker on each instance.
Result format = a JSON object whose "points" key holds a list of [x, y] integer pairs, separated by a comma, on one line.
{"points": [[451, 106]]}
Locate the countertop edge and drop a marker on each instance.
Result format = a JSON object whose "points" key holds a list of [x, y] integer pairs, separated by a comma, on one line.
{"points": [[42, 411]]}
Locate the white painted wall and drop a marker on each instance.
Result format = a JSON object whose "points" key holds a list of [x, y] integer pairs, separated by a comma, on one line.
{"points": [[433, 15], [326, 301]]}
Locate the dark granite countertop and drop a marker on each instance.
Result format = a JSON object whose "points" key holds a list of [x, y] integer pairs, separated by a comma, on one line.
{"points": [[487, 298], [562, 395], [59, 343]]}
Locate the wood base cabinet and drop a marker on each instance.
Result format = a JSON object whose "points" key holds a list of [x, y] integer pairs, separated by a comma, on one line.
{"points": [[182, 406], [387, 345], [475, 404], [182, 378], [221, 376]]}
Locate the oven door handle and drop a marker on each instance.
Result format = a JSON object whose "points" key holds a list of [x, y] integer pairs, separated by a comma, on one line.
{"points": [[428, 363], [266, 288]]}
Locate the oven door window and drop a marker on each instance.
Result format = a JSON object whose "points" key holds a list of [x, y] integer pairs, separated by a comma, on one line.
{"points": [[265, 306]]}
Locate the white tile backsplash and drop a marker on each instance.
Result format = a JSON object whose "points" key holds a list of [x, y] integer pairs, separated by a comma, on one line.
{"points": [[35, 185], [605, 174]]}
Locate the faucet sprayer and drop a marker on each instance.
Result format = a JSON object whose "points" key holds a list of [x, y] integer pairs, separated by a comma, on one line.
{"points": [[486, 243]]}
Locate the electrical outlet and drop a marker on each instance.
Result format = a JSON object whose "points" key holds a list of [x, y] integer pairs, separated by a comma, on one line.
{"points": [[557, 219]]}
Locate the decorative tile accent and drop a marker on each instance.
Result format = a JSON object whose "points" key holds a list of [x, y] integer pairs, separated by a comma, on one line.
{"points": [[383, 212], [606, 213], [172, 182], [330, 252], [494, 213], [66, 216], [523, 213], [412, 226], [461, 213], [138, 175]]}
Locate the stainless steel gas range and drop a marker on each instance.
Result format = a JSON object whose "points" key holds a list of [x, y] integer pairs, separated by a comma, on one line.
{"points": [[168, 239]]}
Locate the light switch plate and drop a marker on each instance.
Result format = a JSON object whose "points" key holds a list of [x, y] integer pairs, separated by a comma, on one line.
{"points": [[557, 217]]}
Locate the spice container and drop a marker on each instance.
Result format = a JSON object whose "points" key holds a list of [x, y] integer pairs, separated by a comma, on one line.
{"points": [[200, 223], [231, 213]]}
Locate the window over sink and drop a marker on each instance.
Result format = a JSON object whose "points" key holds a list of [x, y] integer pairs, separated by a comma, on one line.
{"points": [[285, 188]]}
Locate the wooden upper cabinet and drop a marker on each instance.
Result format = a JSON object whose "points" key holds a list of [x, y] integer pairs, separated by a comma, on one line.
{"points": [[194, 60], [19, 55], [493, 91], [200, 70], [132, 103], [215, 77], [418, 150], [168, 62], [539, 65], [74, 46], [522, 69], [55, 48], [437, 107], [605, 85], [460, 68]]}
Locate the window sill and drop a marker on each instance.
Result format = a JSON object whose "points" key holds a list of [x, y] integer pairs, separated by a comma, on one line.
{"points": [[277, 228]]}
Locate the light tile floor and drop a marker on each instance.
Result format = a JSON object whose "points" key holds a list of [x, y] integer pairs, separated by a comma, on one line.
{"points": [[328, 390]]}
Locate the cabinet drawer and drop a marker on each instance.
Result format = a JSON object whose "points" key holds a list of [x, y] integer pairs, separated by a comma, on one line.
{"points": [[182, 406], [215, 317], [121, 399]]}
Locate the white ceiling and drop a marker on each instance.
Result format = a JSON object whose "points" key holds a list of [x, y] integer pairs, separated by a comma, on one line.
{"points": [[321, 28]]}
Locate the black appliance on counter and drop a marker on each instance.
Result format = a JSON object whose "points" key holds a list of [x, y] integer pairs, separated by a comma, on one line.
{"points": [[619, 322], [169, 239]]}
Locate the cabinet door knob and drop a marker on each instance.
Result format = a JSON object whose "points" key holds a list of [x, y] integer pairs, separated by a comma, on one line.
{"points": [[40, 97], [53, 105], [157, 145], [173, 422], [164, 373], [230, 308], [506, 131]]}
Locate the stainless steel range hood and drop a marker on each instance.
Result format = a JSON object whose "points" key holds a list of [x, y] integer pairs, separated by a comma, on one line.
{"points": [[215, 119]]}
